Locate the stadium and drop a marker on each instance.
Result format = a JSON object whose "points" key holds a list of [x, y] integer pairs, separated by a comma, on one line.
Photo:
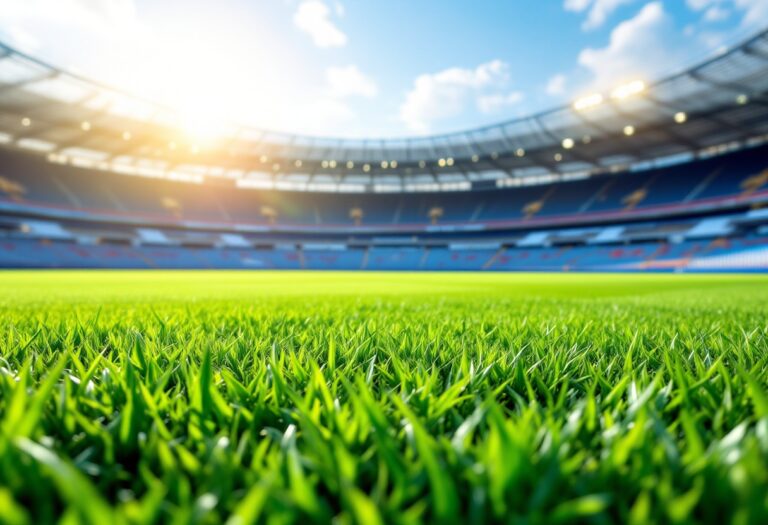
{"points": [[668, 176], [451, 328]]}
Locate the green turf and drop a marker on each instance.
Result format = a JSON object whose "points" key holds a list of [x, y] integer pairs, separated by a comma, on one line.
{"points": [[210, 397]]}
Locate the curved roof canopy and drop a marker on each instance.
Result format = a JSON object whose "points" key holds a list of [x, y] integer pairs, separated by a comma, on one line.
{"points": [[720, 103]]}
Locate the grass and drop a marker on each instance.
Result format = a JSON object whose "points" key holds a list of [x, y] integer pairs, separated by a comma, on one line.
{"points": [[236, 397]]}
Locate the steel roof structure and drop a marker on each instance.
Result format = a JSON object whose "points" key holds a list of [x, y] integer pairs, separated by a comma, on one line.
{"points": [[719, 104]]}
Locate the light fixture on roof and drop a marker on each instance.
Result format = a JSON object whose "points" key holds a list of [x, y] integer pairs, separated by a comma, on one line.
{"points": [[276, 166], [588, 102], [85, 126], [627, 90], [449, 161], [366, 168], [629, 130], [332, 164], [393, 164], [350, 164], [263, 159], [126, 135], [422, 164], [26, 122], [384, 164], [441, 163], [680, 117], [475, 158], [520, 152], [558, 157], [298, 163], [324, 164], [742, 99], [568, 143]]}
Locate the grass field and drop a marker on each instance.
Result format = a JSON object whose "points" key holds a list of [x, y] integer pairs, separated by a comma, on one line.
{"points": [[236, 397]]}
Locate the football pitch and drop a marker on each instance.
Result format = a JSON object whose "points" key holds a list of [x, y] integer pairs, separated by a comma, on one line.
{"points": [[266, 397]]}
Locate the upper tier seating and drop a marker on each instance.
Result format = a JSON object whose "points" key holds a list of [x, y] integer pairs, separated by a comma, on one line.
{"points": [[32, 180]]}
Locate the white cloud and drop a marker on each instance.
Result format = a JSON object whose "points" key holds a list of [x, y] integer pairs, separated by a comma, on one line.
{"points": [[22, 39], [599, 10], [109, 9], [84, 12], [556, 85], [637, 46], [445, 94], [317, 116], [700, 5], [497, 101], [350, 81], [577, 5], [755, 12], [29, 24], [314, 18], [716, 14]]}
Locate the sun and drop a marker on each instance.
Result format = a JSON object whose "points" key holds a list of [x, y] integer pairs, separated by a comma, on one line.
{"points": [[208, 89]]}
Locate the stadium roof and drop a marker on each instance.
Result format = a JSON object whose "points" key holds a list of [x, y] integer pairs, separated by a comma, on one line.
{"points": [[716, 105]]}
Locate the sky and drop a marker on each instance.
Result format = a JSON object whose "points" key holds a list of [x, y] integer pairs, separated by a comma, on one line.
{"points": [[373, 68]]}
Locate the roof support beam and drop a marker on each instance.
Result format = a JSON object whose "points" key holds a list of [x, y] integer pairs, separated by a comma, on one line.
{"points": [[733, 87], [751, 51], [558, 141], [666, 130], [710, 117]]}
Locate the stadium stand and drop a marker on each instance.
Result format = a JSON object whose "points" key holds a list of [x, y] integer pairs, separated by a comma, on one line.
{"points": [[747, 254], [736, 179], [684, 191]]}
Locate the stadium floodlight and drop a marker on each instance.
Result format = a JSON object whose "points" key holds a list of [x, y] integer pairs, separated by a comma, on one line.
{"points": [[494, 155], [393, 164], [26, 122], [172, 145], [195, 149], [441, 163], [298, 163], [449, 161], [628, 90], [422, 164], [332, 164], [558, 157], [629, 130], [350, 164], [588, 102], [680, 117], [276, 167], [324, 164], [568, 143], [586, 139], [520, 152], [742, 99], [85, 126], [127, 135], [263, 159], [475, 158], [384, 164], [366, 168]]}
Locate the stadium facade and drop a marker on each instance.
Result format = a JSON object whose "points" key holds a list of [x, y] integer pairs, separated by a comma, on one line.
{"points": [[664, 176]]}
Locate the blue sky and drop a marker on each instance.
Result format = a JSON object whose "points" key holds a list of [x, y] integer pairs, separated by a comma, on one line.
{"points": [[368, 68]]}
